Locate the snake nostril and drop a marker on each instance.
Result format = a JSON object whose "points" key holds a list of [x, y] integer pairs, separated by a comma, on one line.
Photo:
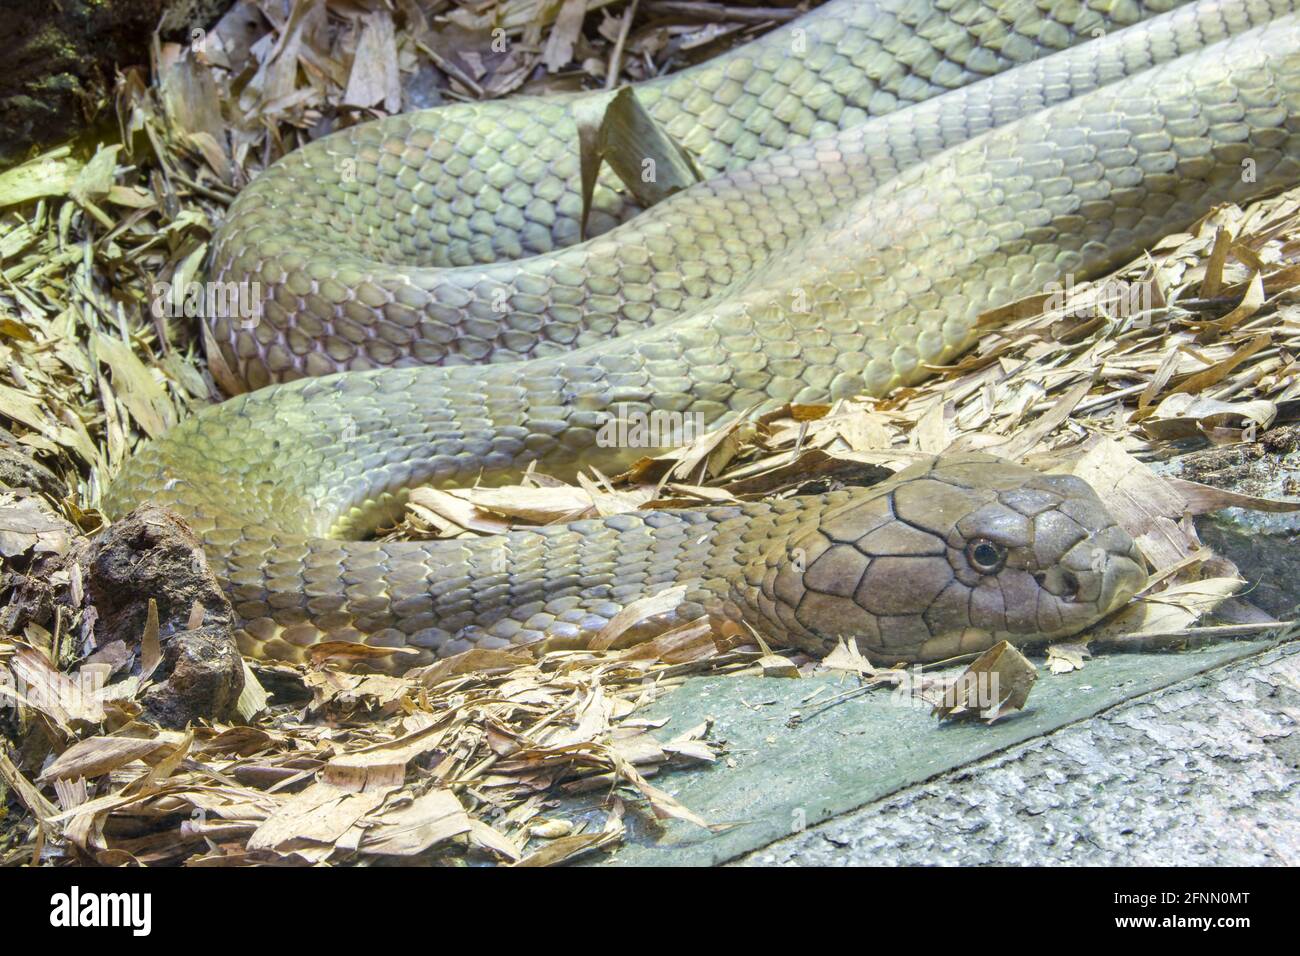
{"points": [[1062, 582]]}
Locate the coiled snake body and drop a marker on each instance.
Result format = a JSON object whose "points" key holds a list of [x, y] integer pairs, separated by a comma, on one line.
{"points": [[883, 172]]}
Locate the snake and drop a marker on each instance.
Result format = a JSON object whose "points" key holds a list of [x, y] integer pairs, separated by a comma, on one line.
{"points": [[877, 175]]}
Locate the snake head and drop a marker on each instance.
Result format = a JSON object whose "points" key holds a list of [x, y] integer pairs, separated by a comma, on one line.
{"points": [[948, 558]]}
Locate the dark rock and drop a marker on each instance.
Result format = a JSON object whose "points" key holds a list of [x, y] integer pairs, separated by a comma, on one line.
{"points": [[153, 554], [205, 678]]}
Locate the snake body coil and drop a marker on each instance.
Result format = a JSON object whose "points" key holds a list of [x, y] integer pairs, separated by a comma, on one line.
{"points": [[860, 218]]}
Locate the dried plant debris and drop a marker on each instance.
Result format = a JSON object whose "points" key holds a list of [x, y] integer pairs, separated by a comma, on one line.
{"points": [[1196, 342], [430, 765]]}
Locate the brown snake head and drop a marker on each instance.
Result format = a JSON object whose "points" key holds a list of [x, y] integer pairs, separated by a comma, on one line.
{"points": [[949, 558]]}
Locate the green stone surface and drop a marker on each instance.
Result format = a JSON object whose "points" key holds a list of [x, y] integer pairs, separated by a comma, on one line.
{"points": [[790, 764]]}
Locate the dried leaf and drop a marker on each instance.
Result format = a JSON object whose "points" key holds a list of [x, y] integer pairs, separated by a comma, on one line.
{"points": [[996, 683], [409, 830], [1064, 658], [847, 657], [616, 129], [96, 756], [27, 524]]}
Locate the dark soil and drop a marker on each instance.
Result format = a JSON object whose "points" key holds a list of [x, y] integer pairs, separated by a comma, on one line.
{"points": [[61, 57]]}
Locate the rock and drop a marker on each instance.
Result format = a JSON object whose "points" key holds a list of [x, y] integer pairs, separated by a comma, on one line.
{"points": [[153, 554], [205, 678]]}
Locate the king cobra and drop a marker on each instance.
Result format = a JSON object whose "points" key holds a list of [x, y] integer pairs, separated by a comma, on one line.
{"points": [[878, 174]]}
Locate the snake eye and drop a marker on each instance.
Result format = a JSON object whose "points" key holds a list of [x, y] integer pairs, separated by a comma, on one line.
{"points": [[985, 556]]}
